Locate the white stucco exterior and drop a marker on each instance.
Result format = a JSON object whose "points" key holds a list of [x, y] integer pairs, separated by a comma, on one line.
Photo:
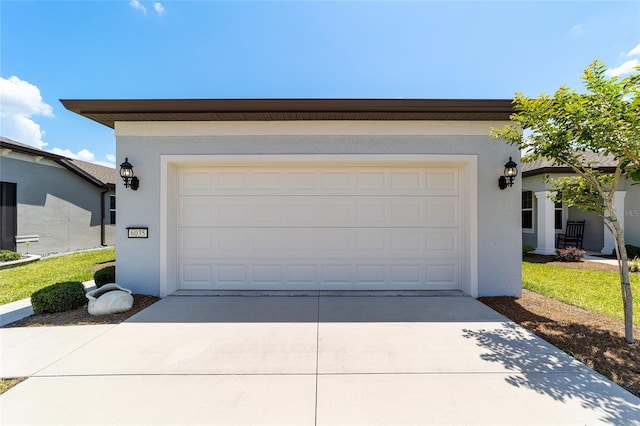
{"points": [[490, 238]]}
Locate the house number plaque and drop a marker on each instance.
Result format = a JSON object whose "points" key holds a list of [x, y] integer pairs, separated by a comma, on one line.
{"points": [[138, 232]]}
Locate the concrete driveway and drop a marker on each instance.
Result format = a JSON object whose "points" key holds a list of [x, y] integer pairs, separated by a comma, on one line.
{"points": [[304, 360]]}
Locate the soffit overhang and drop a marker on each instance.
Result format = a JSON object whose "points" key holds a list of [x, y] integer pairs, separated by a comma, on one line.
{"points": [[110, 111]]}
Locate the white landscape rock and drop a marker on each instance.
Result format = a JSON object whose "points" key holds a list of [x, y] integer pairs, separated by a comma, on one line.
{"points": [[109, 299]]}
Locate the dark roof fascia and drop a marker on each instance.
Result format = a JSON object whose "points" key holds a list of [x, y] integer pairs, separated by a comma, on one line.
{"points": [[28, 150], [108, 111], [560, 170]]}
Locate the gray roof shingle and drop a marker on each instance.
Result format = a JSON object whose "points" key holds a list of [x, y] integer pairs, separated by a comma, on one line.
{"points": [[544, 165], [94, 173]]}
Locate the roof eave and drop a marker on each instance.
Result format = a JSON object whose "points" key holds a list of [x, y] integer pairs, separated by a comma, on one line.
{"points": [[561, 170], [107, 112], [31, 151]]}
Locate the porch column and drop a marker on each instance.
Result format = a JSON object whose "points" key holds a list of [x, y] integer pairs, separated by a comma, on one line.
{"points": [[545, 221], [618, 205]]}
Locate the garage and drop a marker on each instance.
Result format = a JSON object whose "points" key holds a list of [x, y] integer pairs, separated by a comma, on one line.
{"points": [[319, 226], [314, 194]]}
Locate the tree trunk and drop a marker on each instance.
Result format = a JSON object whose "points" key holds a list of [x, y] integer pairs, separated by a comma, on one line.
{"points": [[625, 283]]}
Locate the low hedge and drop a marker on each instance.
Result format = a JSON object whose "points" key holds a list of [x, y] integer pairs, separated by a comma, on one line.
{"points": [[105, 276], [58, 297], [9, 256], [632, 251]]}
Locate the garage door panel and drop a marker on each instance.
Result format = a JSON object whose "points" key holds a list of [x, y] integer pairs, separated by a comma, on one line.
{"points": [[319, 227], [195, 210], [252, 273], [441, 182], [319, 181], [319, 243], [198, 274], [320, 211]]}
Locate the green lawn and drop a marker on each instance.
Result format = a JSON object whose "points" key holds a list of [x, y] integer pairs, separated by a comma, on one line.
{"points": [[591, 290], [19, 282]]}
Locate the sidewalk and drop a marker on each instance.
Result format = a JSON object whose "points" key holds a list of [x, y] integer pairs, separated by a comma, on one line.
{"points": [[591, 258]]}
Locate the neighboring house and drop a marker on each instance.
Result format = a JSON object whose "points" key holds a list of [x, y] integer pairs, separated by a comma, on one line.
{"points": [[314, 194], [53, 204], [542, 219]]}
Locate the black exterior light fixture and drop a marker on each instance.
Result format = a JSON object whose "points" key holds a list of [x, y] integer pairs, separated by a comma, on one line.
{"points": [[510, 172], [126, 173]]}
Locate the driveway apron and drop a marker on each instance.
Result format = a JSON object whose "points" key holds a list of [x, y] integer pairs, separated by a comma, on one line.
{"points": [[320, 359]]}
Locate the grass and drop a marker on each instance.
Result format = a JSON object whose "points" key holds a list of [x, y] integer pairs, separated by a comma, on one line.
{"points": [[595, 291], [19, 282]]}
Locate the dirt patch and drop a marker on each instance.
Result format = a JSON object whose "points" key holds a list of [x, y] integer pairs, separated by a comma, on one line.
{"points": [[103, 265], [80, 316], [594, 339]]}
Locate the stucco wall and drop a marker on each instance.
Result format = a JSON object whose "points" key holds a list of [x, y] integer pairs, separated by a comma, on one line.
{"points": [[59, 206], [593, 228], [632, 213], [499, 236]]}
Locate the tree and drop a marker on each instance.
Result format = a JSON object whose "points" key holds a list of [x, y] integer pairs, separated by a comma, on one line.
{"points": [[604, 120]]}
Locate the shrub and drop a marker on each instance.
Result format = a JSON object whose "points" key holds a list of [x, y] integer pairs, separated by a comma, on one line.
{"points": [[105, 276], [633, 252], [634, 265], [8, 256], [570, 254], [526, 248], [59, 297]]}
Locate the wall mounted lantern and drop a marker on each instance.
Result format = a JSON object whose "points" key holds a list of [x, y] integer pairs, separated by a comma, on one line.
{"points": [[510, 172], [126, 173]]}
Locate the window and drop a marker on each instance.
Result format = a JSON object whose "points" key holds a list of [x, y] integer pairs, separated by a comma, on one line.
{"points": [[557, 211], [112, 209], [8, 215], [527, 210]]}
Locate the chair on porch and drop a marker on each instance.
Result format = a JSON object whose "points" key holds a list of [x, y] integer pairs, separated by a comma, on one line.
{"points": [[573, 234]]}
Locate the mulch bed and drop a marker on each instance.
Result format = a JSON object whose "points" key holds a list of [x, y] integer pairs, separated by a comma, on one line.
{"points": [[594, 339], [551, 260], [80, 316]]}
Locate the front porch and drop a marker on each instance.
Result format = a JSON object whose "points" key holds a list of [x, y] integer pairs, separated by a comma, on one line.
{"points": [[548, 229]]}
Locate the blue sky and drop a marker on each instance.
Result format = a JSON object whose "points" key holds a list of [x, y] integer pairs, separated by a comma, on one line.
{"points": [[130, 49]]}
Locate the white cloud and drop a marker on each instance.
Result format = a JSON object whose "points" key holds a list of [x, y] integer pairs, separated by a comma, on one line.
{"points": [[634, 52], [577, 31], [137, 5], [159, 8], [19, 101], [86, 155], [625, 68]]}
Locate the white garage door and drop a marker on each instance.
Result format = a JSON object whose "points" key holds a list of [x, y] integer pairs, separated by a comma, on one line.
{"points": [[319, 227]]}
